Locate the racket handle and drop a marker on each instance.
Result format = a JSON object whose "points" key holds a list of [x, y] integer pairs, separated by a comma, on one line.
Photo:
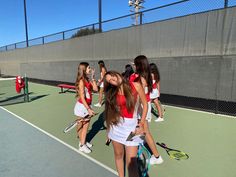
{"points": [[108, 141]]}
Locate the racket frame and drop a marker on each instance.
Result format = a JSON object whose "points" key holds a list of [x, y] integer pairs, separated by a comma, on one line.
{"points": [[77, 121], [142, 148], [170, 149]]}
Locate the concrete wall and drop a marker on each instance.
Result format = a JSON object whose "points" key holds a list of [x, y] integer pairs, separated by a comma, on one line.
{"points": [[196, 54]]}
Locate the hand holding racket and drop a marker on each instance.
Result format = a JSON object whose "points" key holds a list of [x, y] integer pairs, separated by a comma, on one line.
{"points": [[173, 153], [108, 141], [143, 155], [133, 136]]}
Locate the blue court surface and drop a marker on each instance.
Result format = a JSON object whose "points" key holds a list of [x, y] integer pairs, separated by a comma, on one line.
{"points": [[27, 151]]}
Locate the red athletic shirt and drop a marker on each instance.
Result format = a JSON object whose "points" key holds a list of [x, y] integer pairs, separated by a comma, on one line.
{"points": [[154, 84], [87, 93], [121, 103], [132, 78]]}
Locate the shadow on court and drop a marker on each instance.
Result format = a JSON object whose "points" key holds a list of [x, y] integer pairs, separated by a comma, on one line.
{"points": [[37, 97], [19, 99], [96, 127]]}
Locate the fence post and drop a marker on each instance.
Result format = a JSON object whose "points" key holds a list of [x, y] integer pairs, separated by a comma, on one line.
{"points": [[93, 28], [100, 15], [226, 3], [141, 18], [63, 35]]}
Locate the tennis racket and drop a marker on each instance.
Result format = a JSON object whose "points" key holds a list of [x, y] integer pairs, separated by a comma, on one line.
{"points": [[173, 153], [163, 110], [76, 122], [133, 136], [143, 155], [155, 110], [143, 160]]}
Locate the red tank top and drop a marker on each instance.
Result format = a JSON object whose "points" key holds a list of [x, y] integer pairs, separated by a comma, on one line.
{"points": [[154, 84], [132, 78], [87, 93], [147, 93], [121, 103]]}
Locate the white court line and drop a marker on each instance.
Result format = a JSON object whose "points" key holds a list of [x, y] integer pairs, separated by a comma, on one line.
{"points": [[62, 142], [228, 116], [6, 79]]}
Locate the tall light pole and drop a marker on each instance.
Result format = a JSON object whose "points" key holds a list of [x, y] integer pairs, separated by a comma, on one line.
{"points": [[26, 27], [136, 5]]}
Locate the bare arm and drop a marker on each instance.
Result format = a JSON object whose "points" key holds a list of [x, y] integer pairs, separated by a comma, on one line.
{"points": [[82, 97], [103, 73], [143, 82], [158, 87], [93, 81], [143, 100]]}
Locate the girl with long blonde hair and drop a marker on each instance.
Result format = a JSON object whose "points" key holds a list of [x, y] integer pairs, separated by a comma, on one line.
{"points": [[82, 109]]}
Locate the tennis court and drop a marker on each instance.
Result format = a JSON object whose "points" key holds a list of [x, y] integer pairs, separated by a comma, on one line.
{"points": [[28, 151], [207, 138]]}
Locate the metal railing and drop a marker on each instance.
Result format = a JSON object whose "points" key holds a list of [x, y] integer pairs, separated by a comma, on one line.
{"points": [[164, 12]]}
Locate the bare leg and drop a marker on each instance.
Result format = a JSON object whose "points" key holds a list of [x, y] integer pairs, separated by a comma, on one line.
{"points": [[100, 95], [84, 131], [158, 106], [150, 140], [131, 160], [119, 157], [79, 129]]}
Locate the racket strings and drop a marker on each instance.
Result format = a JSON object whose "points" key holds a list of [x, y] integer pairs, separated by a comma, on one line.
{"points": [[178, 154]]}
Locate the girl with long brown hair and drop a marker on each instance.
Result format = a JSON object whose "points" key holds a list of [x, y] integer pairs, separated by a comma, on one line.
{"points": [[122, 100], [155, 94], [82, 109], [142, 75], [103, 71]]}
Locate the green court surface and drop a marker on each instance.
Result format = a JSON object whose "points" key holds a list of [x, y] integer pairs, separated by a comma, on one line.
{"points": [[207, 138]]}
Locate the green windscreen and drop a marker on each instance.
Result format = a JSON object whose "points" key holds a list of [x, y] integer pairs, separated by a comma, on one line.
{"points": [[8, 94]]}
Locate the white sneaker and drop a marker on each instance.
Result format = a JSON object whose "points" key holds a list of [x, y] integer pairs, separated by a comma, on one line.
{"points": [[154, 160], [149, 120], [98, 105], [85, 149], [89, 145], [159, 119]]}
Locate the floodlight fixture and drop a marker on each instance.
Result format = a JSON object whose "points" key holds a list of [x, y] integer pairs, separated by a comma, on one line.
{"points": [[135, 6], [130, 2]]}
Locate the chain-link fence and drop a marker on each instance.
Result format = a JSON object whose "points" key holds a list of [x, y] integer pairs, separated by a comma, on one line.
{"points": [[164, 12]]}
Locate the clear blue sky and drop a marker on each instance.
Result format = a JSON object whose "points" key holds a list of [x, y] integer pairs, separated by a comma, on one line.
{"points": [[51, 16]]}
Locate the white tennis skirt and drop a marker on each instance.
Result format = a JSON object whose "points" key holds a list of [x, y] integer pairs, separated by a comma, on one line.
{"points": [[80, 110], [121, 131], [154, 94], [102, 85]]}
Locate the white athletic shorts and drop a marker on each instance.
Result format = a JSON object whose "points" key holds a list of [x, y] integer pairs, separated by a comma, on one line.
{"points": [[80, 110], [149, 113], [154, 94], [121, 131]]}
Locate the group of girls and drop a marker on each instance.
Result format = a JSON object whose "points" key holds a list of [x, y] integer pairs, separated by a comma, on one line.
{"points": [[127, 109]]}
